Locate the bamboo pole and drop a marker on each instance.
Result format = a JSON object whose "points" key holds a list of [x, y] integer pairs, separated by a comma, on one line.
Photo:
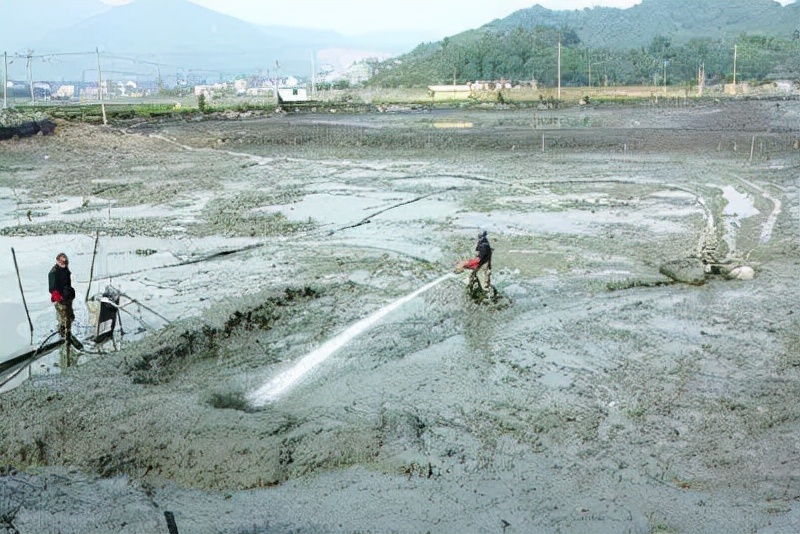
{"points": [[91, 267], [24, 302]]}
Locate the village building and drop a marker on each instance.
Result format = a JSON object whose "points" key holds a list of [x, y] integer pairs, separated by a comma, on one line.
{"points": [[292, 94], [441, 93]]}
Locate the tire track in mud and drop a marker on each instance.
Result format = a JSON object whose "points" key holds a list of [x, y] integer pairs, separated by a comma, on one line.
{"points": [[707, 239], [777, 207]]}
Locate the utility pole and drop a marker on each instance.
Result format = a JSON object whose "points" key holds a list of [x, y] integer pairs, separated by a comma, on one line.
{"points": [[5, 80], [277, 81], [313, 76], [665, 77], [701, 79], [734, 69], [100, 87], [30, 74], [559, 67], [589, 61]]}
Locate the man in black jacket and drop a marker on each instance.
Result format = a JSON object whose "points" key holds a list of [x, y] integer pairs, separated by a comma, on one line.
{"points": [[484, 250], [483, 257], [62, 294]]}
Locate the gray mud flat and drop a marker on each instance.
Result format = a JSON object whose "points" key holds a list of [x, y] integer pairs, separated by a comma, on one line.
{"points": [[602, 396]]}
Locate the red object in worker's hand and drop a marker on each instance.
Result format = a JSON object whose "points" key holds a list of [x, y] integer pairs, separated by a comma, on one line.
{"points": [[55, 296], [472, 264]]}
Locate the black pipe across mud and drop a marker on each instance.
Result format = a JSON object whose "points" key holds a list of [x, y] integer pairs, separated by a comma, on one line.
{"points": [[637, 372]]}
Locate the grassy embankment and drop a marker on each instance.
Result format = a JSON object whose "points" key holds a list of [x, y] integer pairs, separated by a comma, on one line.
{"points": [[347, 100]]}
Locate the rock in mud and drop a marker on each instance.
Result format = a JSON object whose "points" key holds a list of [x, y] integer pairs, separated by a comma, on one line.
{"points": [[742, 272], [687, 271]]}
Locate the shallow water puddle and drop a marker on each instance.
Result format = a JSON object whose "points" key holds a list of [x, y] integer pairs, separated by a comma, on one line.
{"points": [[350, 209], [570, 222], [8, 207], [555, 380], [327, 208], [739, 207], [452, 124], [124, 262], [76, 209], [738, 204]]}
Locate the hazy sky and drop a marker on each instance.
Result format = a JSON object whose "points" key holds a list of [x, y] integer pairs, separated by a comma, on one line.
{"points": [[350, 17]]}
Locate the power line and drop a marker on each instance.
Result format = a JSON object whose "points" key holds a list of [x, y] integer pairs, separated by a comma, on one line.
{"points": [[142, 61], [55, 54]]}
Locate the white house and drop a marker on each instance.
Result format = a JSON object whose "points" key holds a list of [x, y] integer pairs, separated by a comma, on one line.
{"points": [[292, 94], [65, 92]]}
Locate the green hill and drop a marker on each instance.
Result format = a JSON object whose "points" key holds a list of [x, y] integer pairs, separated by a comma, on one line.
{"points": [[613, 46]]}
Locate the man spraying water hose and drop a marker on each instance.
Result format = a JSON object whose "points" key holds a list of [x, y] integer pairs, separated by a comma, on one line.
{"points": [[484, 257]]}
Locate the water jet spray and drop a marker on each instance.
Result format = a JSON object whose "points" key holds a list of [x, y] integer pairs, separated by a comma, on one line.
{"points": [[285, 381]]}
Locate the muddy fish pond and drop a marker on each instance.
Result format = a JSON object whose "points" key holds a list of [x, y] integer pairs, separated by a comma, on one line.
{"points": [[299, 354]]}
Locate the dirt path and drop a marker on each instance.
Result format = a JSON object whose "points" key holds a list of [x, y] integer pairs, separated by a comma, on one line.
{"points": [[600, 397]]}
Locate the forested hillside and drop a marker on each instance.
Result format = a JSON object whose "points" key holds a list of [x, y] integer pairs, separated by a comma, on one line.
{"points": [[654, 41]]}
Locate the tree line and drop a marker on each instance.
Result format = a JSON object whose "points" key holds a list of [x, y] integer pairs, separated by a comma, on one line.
{"points": [[527, 54]]}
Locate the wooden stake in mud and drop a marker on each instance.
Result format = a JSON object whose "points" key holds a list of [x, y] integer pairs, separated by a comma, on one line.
{"points": [[91, 267], [68, 341], [24, 303]]}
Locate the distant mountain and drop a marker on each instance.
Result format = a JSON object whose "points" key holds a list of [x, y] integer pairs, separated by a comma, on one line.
{"points": [[176, 40], [24, 22], [180, 41], [170, 38]]}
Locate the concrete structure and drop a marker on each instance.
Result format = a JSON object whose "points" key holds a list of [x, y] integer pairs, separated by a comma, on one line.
{"points": [[292, 94], [209, 90], [260, 91], [783, 86], [449, 92], [65, 92], [736, 89]]}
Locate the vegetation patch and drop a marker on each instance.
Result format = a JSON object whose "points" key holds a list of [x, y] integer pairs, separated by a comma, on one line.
{"points": [[153, 227], [229, 400], [244, 216], [619, 285]]}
